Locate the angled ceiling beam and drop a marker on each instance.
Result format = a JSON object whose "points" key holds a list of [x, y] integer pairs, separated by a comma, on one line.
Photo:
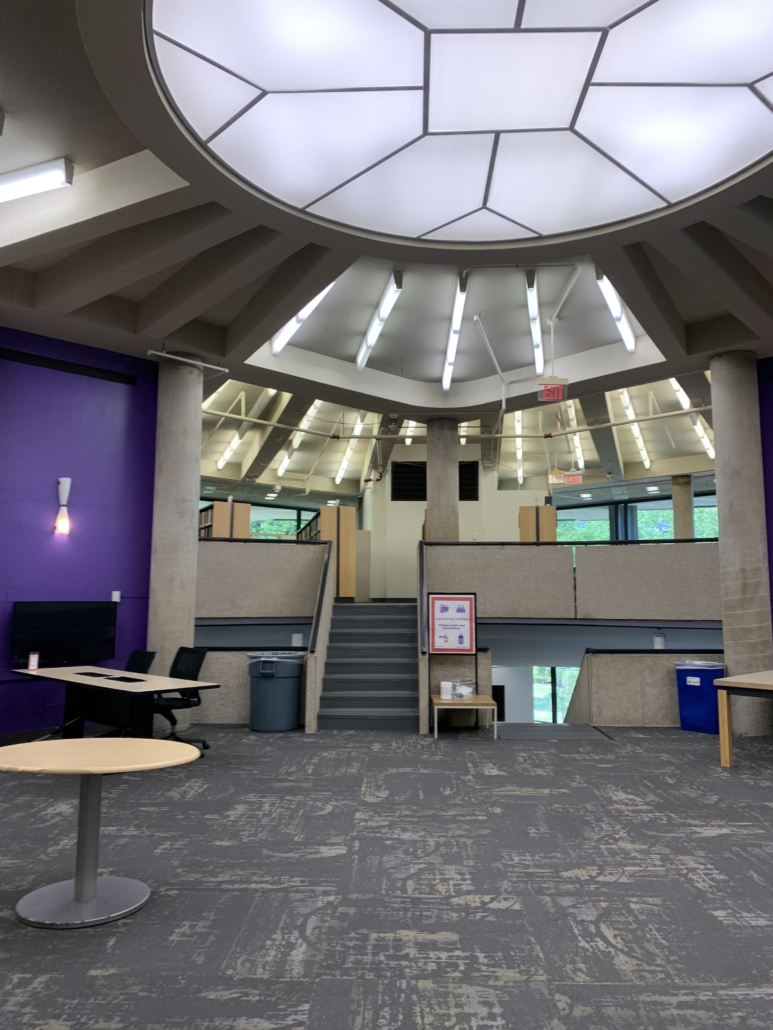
{"points": [[297, 281], [596, 411], [709, 258], [293, 408], [211, 277], [635, 278], [751, 223], [698, 389], [104, 200], [125, 257], [382, 452]]}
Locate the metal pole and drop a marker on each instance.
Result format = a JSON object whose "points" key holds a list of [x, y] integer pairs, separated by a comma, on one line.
{"points": [[87, 859]]}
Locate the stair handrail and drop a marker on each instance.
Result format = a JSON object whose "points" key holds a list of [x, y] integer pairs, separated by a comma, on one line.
{"points": [[422, 568], [320, 598]]}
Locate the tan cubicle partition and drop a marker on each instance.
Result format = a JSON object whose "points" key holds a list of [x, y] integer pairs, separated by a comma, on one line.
{"points": [[225, 520], [537, 524], [339, 524]]}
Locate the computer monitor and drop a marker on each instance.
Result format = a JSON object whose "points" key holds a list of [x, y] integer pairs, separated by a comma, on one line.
{"points": [[63, 632]]}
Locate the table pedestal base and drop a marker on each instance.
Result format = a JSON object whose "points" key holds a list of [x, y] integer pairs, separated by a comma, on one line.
{"points": [[55, 906]]}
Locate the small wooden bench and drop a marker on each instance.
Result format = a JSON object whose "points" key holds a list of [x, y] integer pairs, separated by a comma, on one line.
{"points": [[479, 701]]}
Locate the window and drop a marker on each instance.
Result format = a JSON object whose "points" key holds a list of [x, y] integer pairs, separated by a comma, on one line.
{"points": [[409, 481], [583, 524], [268, 523], [552, 692]]}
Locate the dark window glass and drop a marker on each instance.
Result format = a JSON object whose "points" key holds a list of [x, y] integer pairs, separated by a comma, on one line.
{"points": [[409, 481], [468, 481]]}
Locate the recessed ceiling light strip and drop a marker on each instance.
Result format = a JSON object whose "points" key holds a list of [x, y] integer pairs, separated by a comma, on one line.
{"points": [[628, 407], [697, 421], [453, 334], [618, 312], [380, 316], [519, 444], [535, 324], [409, 433], [280, 340], [51, 175], [571, 412], [356, 431]]}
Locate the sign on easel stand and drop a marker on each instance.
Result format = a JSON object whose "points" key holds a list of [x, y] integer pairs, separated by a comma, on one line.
{"points": [[452, 624]]}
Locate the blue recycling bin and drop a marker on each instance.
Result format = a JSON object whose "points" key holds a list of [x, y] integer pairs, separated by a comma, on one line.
{"points": [[698, 710]]}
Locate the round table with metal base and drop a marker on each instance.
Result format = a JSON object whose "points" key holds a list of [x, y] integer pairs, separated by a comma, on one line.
{"points": [[89, 899]]}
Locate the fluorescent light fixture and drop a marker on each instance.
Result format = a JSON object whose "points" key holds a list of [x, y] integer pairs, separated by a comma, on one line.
{"points": [[332, 504], [519, 444], [618, 312], [62, 524], [280, 340], [463, 433], [350, 446], [453, 334], [283, 464], [630, 414], [382, 313], [271, 497], [586, 497], [697, 421], [306, 421], [535, 324], [36, 179], [570, 409], [653, 489], [409, 433], [227, 454]]}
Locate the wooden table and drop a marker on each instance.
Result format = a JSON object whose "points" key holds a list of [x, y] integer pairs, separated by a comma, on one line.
{"points": [[752, 684], [112, 697], [89, 899], [479, 701]]}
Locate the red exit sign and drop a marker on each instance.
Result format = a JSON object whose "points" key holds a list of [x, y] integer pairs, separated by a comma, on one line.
{"points": [[551, 389]]}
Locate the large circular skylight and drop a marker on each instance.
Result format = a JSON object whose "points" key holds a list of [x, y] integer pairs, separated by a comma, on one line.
{"points": [[473, 120]]}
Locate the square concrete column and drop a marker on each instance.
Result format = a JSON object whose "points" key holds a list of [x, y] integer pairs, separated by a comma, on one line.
{"points": [[442, 479], [684, 512], [743, 545], [174, 549]]}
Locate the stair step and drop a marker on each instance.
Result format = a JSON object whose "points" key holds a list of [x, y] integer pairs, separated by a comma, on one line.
{"points": [[365, 652], [374, 719], [401, 701], [369, 681]]}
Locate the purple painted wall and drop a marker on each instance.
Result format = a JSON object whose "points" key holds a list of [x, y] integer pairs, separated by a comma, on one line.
{"points": [[765, 377], [102, 435]]}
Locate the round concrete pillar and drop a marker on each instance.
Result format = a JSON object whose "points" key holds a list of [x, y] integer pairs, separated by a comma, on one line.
{"points": [[743, 547], [684, 515], [442, 479], [174, 550]]}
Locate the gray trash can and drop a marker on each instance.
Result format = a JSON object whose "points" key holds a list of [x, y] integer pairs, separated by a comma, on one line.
{"points": [[275, 691]]}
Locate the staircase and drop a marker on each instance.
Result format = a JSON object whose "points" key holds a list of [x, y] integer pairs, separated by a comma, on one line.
{"points": [[372, 671]]}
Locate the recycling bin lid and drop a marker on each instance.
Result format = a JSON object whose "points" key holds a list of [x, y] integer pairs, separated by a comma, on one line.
{"points": [[285, 656], [699, 665]]}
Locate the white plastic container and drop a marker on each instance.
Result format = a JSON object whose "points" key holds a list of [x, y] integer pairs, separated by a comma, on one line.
{"points": [[33, 661], [446, 690]]}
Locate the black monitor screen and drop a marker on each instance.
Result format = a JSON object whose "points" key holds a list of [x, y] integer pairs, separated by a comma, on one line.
{"points": [[63, 632]]}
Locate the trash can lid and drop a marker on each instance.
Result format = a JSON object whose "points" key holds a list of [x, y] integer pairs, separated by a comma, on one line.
{"points": [[699, 665], [286, 656]]}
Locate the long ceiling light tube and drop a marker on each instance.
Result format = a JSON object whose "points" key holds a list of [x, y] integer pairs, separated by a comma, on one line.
{"points": [[535, 323], [697, 421], [519, 444], [284, 463], [51, 175], [247, 424], [572, 413], [411, 427], [306, 421], [618, 312], [280, 340], [380, 316], [356, 431], [453, 334], [628, 407]]}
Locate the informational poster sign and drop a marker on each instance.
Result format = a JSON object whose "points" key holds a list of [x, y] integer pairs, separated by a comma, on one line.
{"points": [[452, 624]]}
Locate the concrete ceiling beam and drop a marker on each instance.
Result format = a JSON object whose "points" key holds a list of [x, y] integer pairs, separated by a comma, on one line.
{"points": [[213, 276], [126, 257], [751, 223], [596, 412]]}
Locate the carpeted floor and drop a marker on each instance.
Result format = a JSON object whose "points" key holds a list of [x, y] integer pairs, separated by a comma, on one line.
{"points": [[354, 881]]}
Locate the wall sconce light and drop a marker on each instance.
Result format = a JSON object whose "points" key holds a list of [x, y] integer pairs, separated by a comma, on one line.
{"points": [[62, 524]]}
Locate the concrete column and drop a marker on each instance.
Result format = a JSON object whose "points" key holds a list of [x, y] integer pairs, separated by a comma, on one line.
{"points": [[743, 547], [442, 479], [684, 513], [174, 548]]}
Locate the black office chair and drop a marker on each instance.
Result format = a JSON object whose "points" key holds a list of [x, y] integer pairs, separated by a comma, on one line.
{"points": [[186, 666], [140, 661]]}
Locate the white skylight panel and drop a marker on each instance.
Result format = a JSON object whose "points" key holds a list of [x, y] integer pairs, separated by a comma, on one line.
{"points": [[695, 41], [493, 81], [462, 14], [480, 225], [300, 44], [206, 96], [571, 14], [434, 181], [300, 145], [554, 182], [681, 139]]}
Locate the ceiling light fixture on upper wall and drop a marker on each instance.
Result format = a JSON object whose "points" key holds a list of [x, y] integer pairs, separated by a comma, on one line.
{"points": [[453, 334], [280, 340], [618, 312], [697, 421], [62, 524], [571, 412], [306, 421], [380, 316], [463, 433], [519, 444], [357, 430], [535, 323], [238, 438], [409, 433], [630, 413], [283, 464], [51, 175], [228, 453]]}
